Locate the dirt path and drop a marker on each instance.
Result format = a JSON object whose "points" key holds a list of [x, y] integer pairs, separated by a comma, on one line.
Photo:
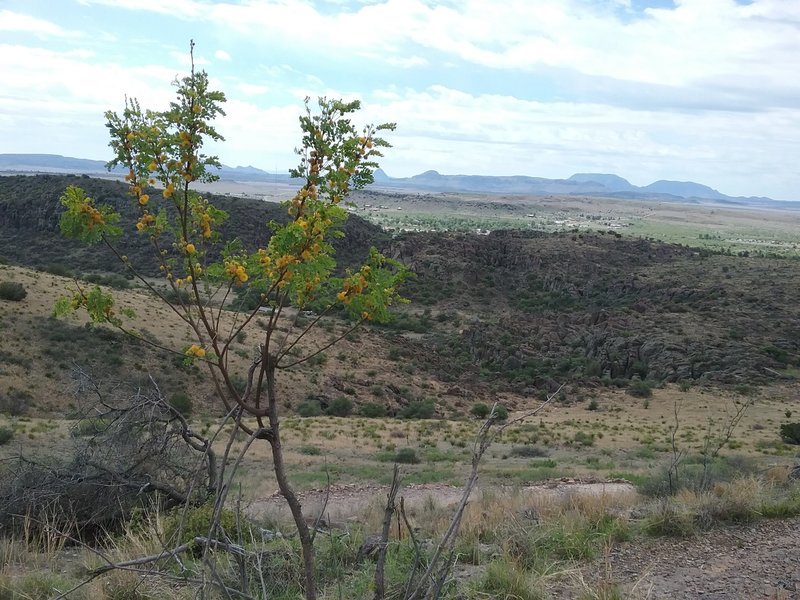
{"points": [[349, 502], [745, 562]]}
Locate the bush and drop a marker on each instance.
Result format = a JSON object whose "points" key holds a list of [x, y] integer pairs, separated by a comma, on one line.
{"points": [[6, 435], [500, 412], [181, 527], [373, 410], [790, 433], [89, 426], [480, 410], [593, 405], [529, 452], [670, 519], [113, 280], [59, 269], [407, 456], [15, 402], [503, 578], [182, 403], [12, 290], [422, 409], [640, 389], [309, 408], [340, 407]]}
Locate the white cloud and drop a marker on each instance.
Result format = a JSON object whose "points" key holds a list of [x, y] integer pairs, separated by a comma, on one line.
{"points": [[701, 90], [691, 42], [249, 89], [50, 96], [490, 134], [17, 22]]}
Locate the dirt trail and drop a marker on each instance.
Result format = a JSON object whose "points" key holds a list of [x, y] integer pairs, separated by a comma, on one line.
{"points": [[349, 502], [743, 562]]}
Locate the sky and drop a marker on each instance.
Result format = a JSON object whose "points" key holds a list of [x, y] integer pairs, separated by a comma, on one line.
{"points": [[700, 90]]}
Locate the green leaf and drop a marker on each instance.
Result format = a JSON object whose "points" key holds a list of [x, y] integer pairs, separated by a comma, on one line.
{"points": [[84, 221]]}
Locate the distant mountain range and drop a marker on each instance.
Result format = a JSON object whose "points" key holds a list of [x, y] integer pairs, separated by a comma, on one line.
{"points": [[583, 184]]}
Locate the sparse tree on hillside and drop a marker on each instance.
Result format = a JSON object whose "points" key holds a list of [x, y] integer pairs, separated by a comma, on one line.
{"points": [[294, 265]]}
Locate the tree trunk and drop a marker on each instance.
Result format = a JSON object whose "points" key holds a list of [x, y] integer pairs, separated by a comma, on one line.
{"points": [[306, 542]]}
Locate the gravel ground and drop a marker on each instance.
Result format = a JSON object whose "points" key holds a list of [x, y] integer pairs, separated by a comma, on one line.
{"points": [[755, 561]]}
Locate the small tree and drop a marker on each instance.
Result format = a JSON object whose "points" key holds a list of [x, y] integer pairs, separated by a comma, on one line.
{"points": [[294, 265]]}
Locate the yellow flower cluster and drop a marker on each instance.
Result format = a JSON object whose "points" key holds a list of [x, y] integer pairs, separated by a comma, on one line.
{"points": [[195, 351], [263, 258], [285, 260], [236, 270], [352, 287], [145, 221], [168, 191], [95, 217], [205, 224]]}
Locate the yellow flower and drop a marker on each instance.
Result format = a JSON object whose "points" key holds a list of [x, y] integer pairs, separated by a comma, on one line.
{"points": [[144, 199], [341, 296], [145, 220], [190, 249], [236, 271], [195, 351], [168, 191], [152, 166]]}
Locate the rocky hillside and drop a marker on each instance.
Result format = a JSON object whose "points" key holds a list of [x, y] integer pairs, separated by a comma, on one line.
{"points": [[30, 211], [532, 309], [512, 310]]}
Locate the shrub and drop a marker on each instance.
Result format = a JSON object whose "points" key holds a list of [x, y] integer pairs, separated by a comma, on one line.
{"points": [[480, 410], [790, 433], [310, 450], [12, 291], [56, 269], [90, 426], [640, 389], [407, 456], [340, 407], [373, 410], [421, 409], [529, 452], [500, 412], [15, 402], [505, 579], [182, 403], [113, 280], [309, 408], [671, 519], [183, 526], [581, 438], [6, 435], [592, 405]]}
